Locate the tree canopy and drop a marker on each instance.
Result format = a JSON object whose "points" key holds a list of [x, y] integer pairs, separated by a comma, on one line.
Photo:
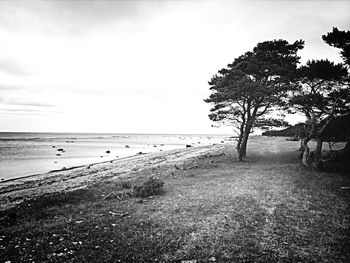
{"points": [[323, 96], [341, 40], [248, 92], [245, 93]]}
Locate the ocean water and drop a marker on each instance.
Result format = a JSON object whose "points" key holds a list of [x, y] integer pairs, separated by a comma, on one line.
{"points": [[23, 154]]}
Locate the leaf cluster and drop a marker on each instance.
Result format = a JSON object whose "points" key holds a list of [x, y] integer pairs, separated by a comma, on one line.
{"points": [[322, 70], [268, 123], [255, 82], [341, 40], [323, 90]]}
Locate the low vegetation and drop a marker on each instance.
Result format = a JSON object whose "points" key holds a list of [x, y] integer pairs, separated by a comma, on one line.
{"points": [[268, 208], [152, 186]]}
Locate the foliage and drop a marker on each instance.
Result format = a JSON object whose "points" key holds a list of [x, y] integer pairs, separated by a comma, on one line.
{"points": [[126, 184], [256, 83], [339, 39], [152, 186], [295, 131], [321, 92], [323, 96], [267, 123]]}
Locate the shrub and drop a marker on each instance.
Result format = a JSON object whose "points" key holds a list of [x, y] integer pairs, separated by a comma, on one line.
{"points": [[151, 186], [126, 185]]}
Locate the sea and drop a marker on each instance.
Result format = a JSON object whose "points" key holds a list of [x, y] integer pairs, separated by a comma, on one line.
{"points": [[23, 154]]}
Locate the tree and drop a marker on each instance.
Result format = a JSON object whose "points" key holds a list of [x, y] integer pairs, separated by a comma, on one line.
{"points": [[322, 97], [339, 39], [245, 94]]}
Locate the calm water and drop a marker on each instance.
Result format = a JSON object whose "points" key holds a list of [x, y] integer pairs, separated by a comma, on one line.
{"points": [[23, 154]]}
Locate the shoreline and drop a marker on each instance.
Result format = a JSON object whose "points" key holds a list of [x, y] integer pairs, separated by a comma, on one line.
{"points": [[17, 190], [30, 157], [70, 168]]}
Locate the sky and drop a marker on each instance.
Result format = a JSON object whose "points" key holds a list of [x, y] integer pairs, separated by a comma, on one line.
{"points": [[138, 66]]}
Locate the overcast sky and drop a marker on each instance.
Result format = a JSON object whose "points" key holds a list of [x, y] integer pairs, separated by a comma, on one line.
{"points": [[138, 66]]}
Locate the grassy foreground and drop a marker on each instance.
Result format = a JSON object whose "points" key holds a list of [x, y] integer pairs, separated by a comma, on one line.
{"points": [[266, 209]]}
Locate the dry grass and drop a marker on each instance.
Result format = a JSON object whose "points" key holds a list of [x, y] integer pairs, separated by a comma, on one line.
{"points": [[266, 209]]}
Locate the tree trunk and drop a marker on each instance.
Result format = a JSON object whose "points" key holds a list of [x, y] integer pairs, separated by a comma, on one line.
{"points": [[239, 143], [318, 149], [339, 154], [315, 159], [312, 159], [240, 138], [301, 148], [346, 149], [245, 150], [240, 155], [242, 151], [243, 147], [306, 152], [238, 148]]}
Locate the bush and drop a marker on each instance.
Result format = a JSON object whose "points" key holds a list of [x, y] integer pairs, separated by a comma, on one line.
{"points": [[126, 185], [152, 186]]}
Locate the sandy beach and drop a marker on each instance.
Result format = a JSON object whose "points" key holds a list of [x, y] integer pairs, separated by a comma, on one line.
{"points": [[15, 191], [213, 209]]}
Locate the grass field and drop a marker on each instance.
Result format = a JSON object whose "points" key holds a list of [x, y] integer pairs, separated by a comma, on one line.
{"points": [[265, 209]]}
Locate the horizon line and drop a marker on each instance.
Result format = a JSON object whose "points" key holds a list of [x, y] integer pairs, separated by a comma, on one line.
{"points": [[131, 133]]}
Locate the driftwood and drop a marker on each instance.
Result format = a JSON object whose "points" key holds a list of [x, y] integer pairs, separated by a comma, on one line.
{"points": [[112, 195], [108, 196], [118, 214]]}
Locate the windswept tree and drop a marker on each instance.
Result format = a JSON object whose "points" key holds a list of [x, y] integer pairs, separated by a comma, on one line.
{"points": [[339, 39], [322, 97], [246, 92]]}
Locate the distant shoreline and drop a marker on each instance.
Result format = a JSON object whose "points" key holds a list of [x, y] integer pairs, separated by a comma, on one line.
{"points": [[121, 133], [27, 154], [69, 168]]}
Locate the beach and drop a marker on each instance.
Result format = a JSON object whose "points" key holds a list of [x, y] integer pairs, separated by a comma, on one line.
{"points": [[24, 154], [268, 208], [15, 191]]}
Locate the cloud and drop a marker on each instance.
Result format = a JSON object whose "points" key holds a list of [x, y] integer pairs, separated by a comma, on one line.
{"points": [[14, 106], [81, 90], [72, 16], [24, 103], [134, 61], [10, 88], [12, 68], [30, 104], [21, 111]]}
